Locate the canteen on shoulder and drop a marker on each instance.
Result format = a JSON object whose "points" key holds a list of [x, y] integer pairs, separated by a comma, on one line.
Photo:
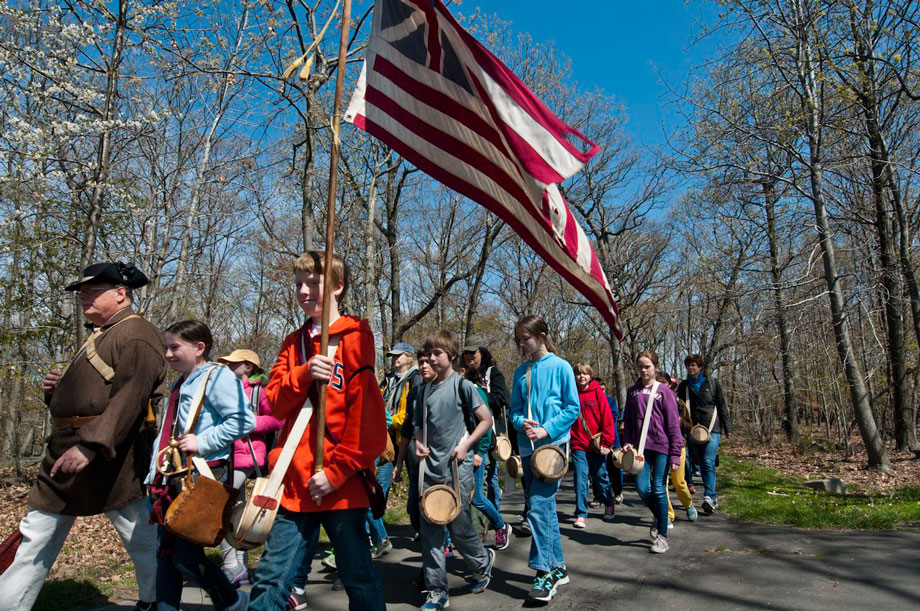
{"points": [[549, 463], [502, 449], [616, 455], [440, 504], [700, 435], [632, 462], [251, 522], [515, 467]]}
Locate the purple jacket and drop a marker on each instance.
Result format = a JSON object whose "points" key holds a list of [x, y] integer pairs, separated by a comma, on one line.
{"points": [[664, 434]]}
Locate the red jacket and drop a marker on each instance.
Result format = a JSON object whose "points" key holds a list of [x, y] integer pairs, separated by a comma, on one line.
{"points": [[595, 411], [356, 426]]}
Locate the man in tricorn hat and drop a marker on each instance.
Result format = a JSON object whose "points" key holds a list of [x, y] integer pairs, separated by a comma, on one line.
{"points": [[95, 459]]}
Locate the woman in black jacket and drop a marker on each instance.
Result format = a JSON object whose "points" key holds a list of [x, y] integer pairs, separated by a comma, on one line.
{"points": [[708, 409]]}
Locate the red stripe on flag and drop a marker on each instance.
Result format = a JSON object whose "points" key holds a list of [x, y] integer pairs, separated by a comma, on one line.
{"points": [[603, 303], [446, 142], [518, 91]]}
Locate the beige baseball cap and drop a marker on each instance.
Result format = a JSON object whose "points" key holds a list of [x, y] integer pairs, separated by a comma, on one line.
{"points": [[238, 356]]}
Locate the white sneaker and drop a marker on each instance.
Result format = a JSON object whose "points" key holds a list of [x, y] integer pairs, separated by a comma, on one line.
{"points": [[659, 546], [580, 523]]}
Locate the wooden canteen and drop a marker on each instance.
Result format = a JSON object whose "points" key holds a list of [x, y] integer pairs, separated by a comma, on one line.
{"points": [[440, 503], [252, 521], [632, 462], [549, 463], [514, 467], [502, 450]]}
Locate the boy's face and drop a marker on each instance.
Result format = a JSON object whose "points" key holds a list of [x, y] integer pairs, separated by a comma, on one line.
{"points": [[424, 368], [310, 294], [440, 362]]}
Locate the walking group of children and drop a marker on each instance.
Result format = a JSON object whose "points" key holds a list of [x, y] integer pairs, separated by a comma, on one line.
{"points": [[429, 417]]}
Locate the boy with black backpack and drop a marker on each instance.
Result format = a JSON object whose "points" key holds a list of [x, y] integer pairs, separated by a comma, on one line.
{"points": [[448, 426]]}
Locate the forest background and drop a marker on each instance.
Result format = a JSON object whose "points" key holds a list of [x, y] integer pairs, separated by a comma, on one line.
{"points": [[774, 231]]}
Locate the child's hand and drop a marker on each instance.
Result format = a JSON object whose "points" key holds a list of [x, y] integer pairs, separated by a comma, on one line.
{"points": [[320, 367], [536, 433], [459, 453], [477, 460], [627, 446], [319, 486], [605, 450], [421, 450], [397, 472], [188, 443]]}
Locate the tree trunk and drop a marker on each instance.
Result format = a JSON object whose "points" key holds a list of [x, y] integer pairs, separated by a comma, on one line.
{"points": [[808, 80], [791, 420]]}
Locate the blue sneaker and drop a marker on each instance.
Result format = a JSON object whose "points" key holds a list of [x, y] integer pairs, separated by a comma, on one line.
{"points": [[544, 588], [482, 580], [437, 600], [560, 575], [692, 514]]}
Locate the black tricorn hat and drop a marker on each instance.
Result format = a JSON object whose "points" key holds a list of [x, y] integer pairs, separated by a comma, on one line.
{"points": [[112, 273]]}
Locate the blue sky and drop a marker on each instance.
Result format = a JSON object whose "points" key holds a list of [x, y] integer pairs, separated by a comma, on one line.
{"points": [[619, 47]]}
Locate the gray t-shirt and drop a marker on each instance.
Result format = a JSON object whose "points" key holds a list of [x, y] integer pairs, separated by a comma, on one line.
{"points": [[446, 427]]}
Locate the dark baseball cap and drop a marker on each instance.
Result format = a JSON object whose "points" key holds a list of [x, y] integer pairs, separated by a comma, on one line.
{"points": [[474, 343], [112, 273], [400, 348]]}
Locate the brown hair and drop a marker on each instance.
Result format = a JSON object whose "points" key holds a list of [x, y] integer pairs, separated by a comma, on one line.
{"points": [[650, 355], [582, 367], [193, 331], [443, 339], [312, 263], [694, 358], [535, 326]]}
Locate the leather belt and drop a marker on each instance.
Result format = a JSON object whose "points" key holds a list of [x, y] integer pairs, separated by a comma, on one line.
{"points": [[74, 422]]}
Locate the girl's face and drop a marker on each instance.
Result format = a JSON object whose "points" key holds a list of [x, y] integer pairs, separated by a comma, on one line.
{"points": [[647, 370], [183, 356], [529, 344], [243, 369], [582, 379], [424, 368], [439, 360]]}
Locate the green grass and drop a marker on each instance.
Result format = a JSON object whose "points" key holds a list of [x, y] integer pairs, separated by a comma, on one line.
{"points": [[92, 589], [752, 492]]}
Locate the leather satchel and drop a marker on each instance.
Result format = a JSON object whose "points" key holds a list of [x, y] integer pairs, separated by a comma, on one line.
{"points": [[201, 513]]}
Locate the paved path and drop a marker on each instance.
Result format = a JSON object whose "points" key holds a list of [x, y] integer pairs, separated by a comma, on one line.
{"points": [[714, 564]]}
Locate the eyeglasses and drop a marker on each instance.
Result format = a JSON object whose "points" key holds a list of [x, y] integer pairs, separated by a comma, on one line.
{"points": [[94, 291]]}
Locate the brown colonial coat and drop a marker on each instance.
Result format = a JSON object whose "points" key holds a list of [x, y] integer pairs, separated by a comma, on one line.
{"points": [[135, 350]]}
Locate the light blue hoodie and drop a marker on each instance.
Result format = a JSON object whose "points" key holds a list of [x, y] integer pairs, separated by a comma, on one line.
{"points": [[553, 400], [225, 415]]}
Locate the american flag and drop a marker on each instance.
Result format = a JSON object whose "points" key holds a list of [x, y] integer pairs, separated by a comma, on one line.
{"points": [[435, 95]]}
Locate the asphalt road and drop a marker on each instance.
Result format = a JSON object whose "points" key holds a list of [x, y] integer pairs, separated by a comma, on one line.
{"points": [[714, 564]]}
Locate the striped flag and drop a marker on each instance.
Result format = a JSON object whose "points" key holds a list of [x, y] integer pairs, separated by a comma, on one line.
{"points": [[435, 95]]}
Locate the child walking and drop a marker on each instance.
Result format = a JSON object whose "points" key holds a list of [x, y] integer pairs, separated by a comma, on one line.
{"points": [[355, 435], [250, 453], [442, 435], [663, 443], [594, 418], [544, 406], [225, 417]]}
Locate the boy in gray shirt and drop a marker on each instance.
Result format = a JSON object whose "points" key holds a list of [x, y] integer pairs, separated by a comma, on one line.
{"points": [[442, 436]]}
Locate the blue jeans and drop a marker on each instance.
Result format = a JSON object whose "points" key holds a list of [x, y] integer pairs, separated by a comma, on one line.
{"points": [[289, 547], [546, 543], [481, 502], [652, 486], [593, 465], [188, 561], [494, 493], [376, 527], [706, 458]]}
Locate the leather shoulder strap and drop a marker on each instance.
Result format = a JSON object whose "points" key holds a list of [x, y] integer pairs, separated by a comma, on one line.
{"points": [[104, 369]]}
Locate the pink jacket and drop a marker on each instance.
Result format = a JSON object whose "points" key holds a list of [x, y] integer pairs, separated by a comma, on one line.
{"points": [[266, 425]]}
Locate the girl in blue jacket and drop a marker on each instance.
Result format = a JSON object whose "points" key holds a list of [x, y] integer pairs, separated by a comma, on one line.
{"points": [[552, 398]]}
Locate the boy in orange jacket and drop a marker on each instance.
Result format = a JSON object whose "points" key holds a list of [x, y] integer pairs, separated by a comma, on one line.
{"points": [[355, 435]]}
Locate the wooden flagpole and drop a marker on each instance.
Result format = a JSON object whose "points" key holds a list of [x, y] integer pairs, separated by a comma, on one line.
{"points": [[330, 230]]}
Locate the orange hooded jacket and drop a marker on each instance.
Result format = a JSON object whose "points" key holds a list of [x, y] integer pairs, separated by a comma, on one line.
{"points": [[356, 426]]}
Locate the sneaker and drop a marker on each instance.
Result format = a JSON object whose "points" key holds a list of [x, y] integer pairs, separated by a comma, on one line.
{"points": [[594, 504], [692, 489], [482, 580], [708, 505], [436, 601], [659, 546], [653, 533], [328, 560], [610, 513], [242, 601], [448, 551], [580, 522], [692, 514], [544, 588], [618, 499], [381, 549], [297, 601], [337, 585], [503, 537], [238, 575], [560, 575], [144, 606], [525, 527]]}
